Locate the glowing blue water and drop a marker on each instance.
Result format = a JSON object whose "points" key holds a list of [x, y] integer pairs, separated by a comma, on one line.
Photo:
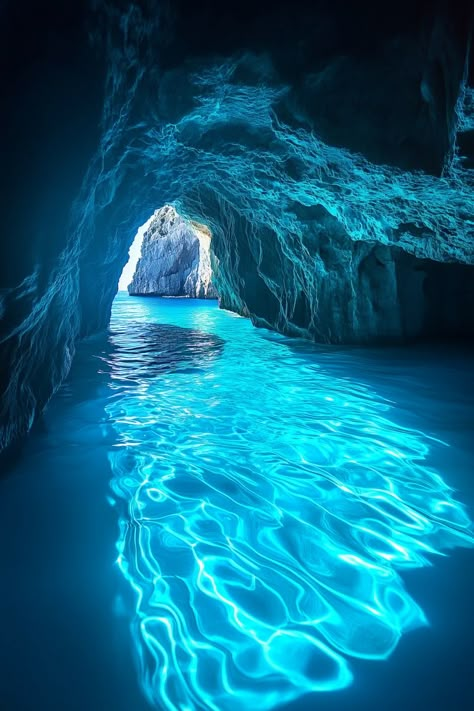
{"points": [[267, 502]]}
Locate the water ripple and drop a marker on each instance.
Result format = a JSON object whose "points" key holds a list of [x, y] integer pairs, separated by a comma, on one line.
{"points": [[266, 511]]}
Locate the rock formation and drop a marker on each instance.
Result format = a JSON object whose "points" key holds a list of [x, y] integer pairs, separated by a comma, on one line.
{"points": [[175, 259], [327, 146]]}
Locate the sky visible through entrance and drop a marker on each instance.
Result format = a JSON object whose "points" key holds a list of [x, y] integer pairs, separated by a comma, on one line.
{"points": [[134, 255]]}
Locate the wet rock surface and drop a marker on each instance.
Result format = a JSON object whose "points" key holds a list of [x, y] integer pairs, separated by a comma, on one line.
{"points": [[175, 259], [327, 148]]}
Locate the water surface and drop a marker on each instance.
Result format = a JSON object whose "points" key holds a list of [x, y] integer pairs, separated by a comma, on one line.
{"points": [[215, 516]]}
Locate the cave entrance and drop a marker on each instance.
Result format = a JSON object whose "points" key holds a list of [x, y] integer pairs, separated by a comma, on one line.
{"points": [[170, 256], [134, 254]]}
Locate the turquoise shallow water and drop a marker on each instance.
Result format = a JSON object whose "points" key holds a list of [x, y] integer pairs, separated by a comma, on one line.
{"points": [[250, 519]]}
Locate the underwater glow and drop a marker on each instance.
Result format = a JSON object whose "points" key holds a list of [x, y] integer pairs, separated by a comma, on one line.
{"points": [[267, 509]]}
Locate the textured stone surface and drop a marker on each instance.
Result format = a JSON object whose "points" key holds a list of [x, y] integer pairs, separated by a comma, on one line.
{"points": [[325, 286], [175, 259], [328, 149]]}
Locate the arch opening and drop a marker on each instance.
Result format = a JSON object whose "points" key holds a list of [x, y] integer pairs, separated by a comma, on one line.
{"points": [[134, 254], [170, 256]]}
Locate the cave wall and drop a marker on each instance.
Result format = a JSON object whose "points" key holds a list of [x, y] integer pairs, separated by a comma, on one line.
{"points": [[324, 286], [325, 144]]}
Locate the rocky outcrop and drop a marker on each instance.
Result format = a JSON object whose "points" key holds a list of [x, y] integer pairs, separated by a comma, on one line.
{"points": [[175, 259], [325, 286], [328, 150]]}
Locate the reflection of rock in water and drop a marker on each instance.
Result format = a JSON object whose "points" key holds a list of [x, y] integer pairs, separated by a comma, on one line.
{"points": [[144, 350]]}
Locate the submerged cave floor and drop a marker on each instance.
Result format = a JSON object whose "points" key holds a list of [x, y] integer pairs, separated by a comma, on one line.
{"points": [[66, 605]]}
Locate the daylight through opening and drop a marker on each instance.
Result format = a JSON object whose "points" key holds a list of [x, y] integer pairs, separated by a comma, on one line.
{"points": [[170, 256]]}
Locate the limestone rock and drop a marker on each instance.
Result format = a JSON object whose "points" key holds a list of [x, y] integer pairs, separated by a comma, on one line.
{"points": [[175, 259]]}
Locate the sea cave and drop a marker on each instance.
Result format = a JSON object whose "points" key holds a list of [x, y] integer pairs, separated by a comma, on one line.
{"points": [[237, 355]]}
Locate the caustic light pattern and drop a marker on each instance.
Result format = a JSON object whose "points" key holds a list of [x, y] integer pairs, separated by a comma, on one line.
{"points": [[266, 511]]}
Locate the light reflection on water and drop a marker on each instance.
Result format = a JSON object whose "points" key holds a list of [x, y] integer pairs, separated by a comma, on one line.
{"points": [[266, 510]]}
